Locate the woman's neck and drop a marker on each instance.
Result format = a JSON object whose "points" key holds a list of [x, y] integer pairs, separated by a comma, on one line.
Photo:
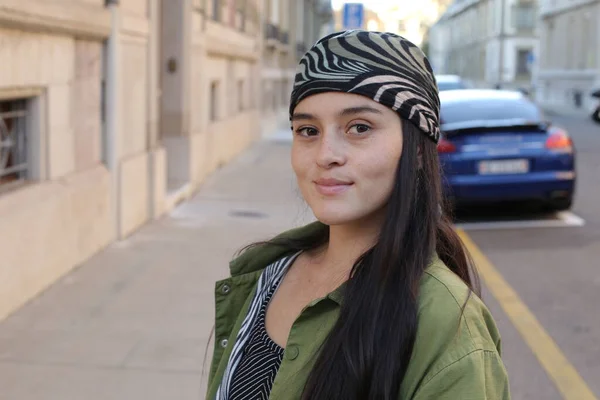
{"points": [[346, 244]]}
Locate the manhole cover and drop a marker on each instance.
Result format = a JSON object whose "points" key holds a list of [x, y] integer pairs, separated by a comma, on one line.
{"points": [[248, 214]]}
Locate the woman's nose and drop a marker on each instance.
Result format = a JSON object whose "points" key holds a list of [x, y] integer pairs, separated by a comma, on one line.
{"points": [[331, 150]]}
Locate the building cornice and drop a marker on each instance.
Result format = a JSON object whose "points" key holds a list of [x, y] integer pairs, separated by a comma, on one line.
{"points": [[458, 8], [135, 26], [69, 18], [549, 11], [223, 41]]}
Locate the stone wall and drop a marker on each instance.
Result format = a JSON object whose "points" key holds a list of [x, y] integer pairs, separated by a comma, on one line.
{"points": [[61, 215], [116, 139]]}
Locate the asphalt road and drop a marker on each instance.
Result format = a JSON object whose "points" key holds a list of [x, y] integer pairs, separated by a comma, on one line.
{"points": [[556, 273]]}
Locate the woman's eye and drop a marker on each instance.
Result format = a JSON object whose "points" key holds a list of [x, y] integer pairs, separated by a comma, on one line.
{"points": [[359, 129], [307, 131]]}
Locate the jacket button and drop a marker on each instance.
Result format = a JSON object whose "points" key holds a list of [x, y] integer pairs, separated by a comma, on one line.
{"points": [[224, 343], [225, 289], [291, 352]]}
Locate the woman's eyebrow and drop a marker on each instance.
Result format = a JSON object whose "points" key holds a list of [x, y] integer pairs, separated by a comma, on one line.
{"points": [[343, 113], [358, 110], [303, 116]]}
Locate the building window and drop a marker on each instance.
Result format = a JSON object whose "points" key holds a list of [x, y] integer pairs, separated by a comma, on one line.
{"points": [[549, 43], [587, 49], [570, 53], [241, 12], [275, 95], [252, 83], [216, 10], [523, 56], [401, 26], [482, 64], [214, 101], [200, 7], [266, 94], [13, 142], [524, 16], [241, 95], [285, 92]]}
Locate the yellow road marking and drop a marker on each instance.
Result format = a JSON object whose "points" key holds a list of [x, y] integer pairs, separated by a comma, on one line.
{"points": [[559, 369]]}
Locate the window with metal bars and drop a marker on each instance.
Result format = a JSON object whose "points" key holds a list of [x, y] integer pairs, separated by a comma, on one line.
{"points": [[13, 141]]}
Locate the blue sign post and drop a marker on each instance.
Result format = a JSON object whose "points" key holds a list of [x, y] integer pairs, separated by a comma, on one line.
{"points": [[353, 15], [530, 59]]}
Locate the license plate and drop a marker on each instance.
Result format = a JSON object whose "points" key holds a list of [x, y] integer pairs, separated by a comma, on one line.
{"points": [[504, 167]]}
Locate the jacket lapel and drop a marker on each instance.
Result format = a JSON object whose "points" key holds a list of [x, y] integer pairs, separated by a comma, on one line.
{"points": [[233, 297]]}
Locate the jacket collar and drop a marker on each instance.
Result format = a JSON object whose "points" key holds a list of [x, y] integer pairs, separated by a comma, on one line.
{"points": [[258, 257]]}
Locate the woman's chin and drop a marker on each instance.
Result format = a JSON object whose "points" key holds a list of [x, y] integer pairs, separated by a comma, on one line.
{"points": [[336, 217]]}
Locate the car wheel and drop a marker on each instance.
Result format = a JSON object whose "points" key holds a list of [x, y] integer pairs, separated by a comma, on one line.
{"points": [[561, 204]]}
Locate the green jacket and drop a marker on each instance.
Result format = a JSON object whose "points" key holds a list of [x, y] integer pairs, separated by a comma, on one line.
{"points": [[456, 354]]}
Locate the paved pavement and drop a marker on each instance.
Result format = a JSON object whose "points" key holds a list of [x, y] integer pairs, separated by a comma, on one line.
{"points": [[134, 322]]}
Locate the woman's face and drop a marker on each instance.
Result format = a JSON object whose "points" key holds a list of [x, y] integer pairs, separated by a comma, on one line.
{"points": [[345, 154]]}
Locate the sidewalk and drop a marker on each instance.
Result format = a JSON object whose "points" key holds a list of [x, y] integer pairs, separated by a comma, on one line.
{"points": [[133, 323], [561, 111]]}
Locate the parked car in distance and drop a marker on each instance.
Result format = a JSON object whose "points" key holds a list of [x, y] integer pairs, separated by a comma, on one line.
{"points": [[496, 146], [450, 82]]}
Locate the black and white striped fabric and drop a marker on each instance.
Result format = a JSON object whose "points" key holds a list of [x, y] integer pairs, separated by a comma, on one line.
{"points": [[270, 276], [262, 357], [385, 67]]}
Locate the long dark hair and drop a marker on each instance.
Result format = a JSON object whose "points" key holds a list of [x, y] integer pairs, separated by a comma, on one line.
{"points": [[368, 350]]}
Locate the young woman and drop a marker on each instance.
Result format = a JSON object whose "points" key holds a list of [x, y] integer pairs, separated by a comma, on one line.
{"points": [[376, 300]]}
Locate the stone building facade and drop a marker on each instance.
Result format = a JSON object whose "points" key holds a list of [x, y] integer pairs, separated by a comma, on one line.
{"points": [[113, 111]]}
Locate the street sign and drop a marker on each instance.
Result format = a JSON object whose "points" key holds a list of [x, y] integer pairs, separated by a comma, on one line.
{"points": [[530, 60], [353, 15]]}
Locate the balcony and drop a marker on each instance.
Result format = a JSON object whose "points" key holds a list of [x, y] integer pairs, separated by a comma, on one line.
{"points": [[271, 35], [300, 49], [271, 32], [324, 9]]}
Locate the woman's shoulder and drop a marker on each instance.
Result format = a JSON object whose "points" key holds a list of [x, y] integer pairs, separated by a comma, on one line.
{"points": [[449, 308], [456, 337]]}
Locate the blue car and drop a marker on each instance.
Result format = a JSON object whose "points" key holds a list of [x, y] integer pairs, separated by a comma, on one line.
{"points": [[450, 82], [497, 147]]}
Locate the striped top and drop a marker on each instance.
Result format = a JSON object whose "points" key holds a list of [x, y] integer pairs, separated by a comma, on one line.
{"points": [[255, 358], [262, 357]]}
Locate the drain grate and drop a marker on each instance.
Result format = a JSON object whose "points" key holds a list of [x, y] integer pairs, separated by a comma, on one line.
{"points": [[248, 214]]}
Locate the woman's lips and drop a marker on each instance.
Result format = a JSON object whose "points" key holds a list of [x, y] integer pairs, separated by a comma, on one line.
{"points": [[331, 187]]}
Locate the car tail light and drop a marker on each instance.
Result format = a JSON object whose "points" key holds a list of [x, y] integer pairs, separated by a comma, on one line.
{"points": [[559, 140], [446, 146]]}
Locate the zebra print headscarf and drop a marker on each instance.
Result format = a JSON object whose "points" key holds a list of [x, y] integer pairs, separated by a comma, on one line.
{"points": [[385, 67]]}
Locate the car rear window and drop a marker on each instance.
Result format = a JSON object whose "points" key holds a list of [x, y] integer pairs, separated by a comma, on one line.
{"points": [[490, 110]]}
